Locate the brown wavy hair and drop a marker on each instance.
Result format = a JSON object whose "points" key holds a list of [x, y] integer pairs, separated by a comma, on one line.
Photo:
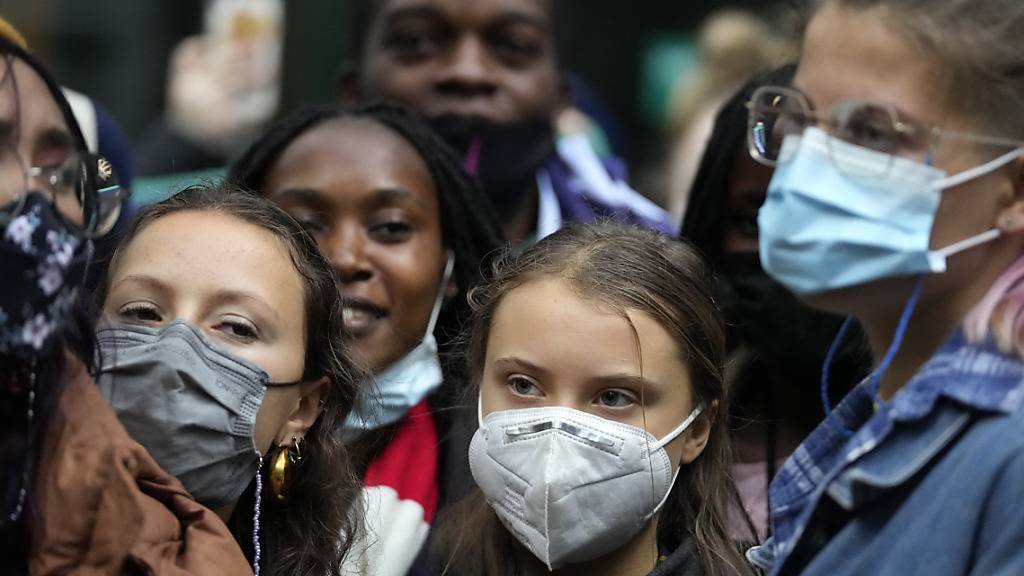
{"points": [[625, 268], [312, 531]]}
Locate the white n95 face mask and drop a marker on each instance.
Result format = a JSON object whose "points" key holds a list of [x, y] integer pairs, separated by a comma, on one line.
{"points": [[571, 486]]}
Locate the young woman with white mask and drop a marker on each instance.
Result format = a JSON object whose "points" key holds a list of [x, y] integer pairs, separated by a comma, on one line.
{"points": [[898, 200], [598, 354], [223, 354]]}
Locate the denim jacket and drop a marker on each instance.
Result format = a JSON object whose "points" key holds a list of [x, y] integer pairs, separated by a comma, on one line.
{"points": [[931, 482]]}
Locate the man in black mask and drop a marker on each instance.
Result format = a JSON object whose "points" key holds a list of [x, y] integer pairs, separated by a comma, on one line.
{"points": [[777, 344], [485, 74]]}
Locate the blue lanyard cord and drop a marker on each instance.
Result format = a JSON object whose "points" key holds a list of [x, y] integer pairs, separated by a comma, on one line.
{"points": [[890, 354], [897, 339], [826, 368]]}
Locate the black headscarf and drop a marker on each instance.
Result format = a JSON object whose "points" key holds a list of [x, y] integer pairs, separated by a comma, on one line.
{"points": [[702, 223]]}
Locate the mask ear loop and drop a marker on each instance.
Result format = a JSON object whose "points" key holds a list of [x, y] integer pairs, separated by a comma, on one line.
{"points": [[978, 171], [480, 410], [435, 313], [664, 442]]}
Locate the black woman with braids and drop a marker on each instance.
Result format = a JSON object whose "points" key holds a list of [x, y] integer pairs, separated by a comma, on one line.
{"points": [[408, 234]]}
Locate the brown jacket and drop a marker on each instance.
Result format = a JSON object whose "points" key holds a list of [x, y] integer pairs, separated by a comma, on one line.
{"points": [[106, 507]]}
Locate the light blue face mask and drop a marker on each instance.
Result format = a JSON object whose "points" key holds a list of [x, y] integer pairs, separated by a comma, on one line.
{"points": [[822, 229], [405, 383]]}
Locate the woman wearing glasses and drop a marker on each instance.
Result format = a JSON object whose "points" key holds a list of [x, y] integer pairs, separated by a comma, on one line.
{"points": [[75, 492], [898, 200]]}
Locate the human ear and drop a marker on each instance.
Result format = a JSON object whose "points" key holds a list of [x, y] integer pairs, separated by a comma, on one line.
{"points": [[305, 411], [1010, 220], [696, 437]]}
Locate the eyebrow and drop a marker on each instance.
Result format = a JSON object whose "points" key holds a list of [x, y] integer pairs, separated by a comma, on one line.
{"points": [[516, 363], [514, 18], [300, 194], [380, 196], [613, 380], [146, 281], [394, 196]]}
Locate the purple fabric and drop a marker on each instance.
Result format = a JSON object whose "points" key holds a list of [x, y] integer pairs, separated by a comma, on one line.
{"points": [[578, 204]]}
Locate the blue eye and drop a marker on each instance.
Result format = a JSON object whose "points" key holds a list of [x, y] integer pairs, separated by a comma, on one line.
{"points": [[615, 399], [523, 386]]}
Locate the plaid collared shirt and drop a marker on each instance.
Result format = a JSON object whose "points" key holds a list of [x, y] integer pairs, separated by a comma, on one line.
{"points": [[979, 377]]}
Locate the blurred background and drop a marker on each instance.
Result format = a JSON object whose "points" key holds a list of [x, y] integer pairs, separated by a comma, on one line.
{"points": [[658, 69]]}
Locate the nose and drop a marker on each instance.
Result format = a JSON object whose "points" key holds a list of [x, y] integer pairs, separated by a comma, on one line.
{"points": [[346, 249], [469, 70]]}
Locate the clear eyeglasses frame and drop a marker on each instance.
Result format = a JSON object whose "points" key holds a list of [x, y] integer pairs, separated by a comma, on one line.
{"points": [[83, 188], [775, 112]]}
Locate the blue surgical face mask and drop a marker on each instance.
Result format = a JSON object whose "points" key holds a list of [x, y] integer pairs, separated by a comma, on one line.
{"points": [[823, 229], [390, 394]]}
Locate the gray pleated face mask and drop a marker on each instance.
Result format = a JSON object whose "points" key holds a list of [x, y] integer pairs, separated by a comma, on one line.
{"points": [[192, 405]]}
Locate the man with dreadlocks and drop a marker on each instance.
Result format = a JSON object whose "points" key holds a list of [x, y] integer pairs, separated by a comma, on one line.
{"points": [[485, 74], [408, 235]]}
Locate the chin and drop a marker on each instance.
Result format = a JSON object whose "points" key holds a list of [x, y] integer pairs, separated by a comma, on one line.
{"points": [[862, 299]]}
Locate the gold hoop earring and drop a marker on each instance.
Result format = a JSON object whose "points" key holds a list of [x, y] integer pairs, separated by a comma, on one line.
{"points": [[282, 463]]}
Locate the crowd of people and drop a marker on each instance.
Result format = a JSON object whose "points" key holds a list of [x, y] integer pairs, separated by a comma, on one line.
{"points": [[417, 331]]}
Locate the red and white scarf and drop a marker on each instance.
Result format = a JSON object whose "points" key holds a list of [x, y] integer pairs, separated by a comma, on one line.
{"points": [[400, 495]]}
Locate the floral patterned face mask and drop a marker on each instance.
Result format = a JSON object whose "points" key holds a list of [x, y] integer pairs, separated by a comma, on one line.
{"points": [[42, 268]]}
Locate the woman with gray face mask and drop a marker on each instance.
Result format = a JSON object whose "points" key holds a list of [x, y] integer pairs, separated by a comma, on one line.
{"points": [[222, 352]]}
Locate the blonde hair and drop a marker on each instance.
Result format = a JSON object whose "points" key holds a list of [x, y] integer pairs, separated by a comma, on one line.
{"points": [[12, 35]]}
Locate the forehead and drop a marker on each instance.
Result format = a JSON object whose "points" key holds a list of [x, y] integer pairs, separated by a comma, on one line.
{"points": [[26, 99], [851, 53], [207, 252], [354, 151], [550, 323], [468, 13]]}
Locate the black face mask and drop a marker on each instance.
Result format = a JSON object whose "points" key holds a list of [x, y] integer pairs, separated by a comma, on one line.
{"points": [[506, 156], [43, 265], [781, 331]]}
